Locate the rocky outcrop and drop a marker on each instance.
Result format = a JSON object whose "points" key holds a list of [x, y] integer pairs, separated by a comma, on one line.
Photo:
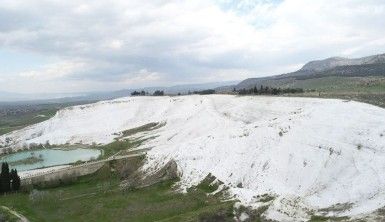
{"points": [[139, 180]]}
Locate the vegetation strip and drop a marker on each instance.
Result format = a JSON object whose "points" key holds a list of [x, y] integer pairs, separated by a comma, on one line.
{"points": [[110, 203]]}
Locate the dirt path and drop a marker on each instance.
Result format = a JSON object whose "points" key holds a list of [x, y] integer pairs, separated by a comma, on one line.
{"points": [[16, 214], [79, 166]]}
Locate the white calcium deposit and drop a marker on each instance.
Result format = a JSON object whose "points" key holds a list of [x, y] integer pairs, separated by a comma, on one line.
{"points": [[308, 153]]}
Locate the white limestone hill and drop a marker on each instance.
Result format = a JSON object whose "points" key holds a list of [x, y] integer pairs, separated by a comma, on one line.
{"points": [[310, 154]]}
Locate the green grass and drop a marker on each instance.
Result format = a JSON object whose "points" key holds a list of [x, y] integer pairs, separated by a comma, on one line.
{"points": [[265, 198], [363, 89], [98, 198], [124, 144], [342, 85], [146, 127], [207, 185], [317, 218], [368, 89], [117, 146]]}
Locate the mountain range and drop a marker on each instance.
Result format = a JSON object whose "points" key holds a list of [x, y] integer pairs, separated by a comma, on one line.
{"points": [[91, 96], [334, 66]]}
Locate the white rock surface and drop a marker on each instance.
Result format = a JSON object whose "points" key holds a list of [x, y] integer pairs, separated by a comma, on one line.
{"points": [[311, 153]]}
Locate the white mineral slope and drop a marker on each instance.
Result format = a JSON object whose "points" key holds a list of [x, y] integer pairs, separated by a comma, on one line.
{"points": [[310, 153]]}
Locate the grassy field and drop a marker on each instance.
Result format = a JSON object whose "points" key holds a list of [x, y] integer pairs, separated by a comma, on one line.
{"points": [[342, 85], [99, 198], [363, 89], [18, 115], [12, 122], [368, 89]]}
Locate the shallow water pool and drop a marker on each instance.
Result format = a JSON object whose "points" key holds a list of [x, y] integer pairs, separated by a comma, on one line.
{"points": [[48, 157]]}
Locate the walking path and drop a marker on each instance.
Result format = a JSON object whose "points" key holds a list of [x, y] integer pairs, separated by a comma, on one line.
{"points": [[55, 170], [16, 214]]}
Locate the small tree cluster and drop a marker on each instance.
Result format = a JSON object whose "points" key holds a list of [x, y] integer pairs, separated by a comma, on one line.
{"points": [[158, 93], [9, 180], [205, 92], [137, 93], [268, 91]]}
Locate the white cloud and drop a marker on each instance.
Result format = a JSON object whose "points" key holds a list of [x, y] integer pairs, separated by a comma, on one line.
{"points": [[54, 71], [187, 40], [141, 76], [82, 9], [115, 44]]}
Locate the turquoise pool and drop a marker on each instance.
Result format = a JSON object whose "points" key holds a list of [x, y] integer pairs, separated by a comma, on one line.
{"points": [[49, 157]]}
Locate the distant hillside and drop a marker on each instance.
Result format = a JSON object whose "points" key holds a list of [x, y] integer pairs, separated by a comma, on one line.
{"points": [[326, 64], [106, 95], [331, 67], [183, 89]]}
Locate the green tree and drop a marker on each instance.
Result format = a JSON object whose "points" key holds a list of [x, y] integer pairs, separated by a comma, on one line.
{"points": [[262, 89], [255, 90], [158, 93], [135, 93], [15, 180], [5, 178]]}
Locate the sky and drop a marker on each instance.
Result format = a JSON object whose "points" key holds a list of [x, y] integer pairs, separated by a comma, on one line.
{"points": [[56, 46]]}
